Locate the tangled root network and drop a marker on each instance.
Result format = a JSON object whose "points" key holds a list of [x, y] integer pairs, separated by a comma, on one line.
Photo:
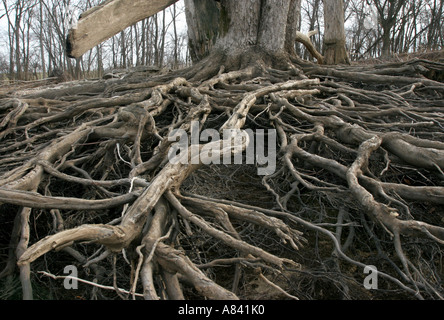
{"points": [[354, 184]]}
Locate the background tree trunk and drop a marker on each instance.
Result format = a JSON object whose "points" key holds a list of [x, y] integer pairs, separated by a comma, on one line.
{"points": [[18, 18], [42, 48], [293, 23], [334, 38]]}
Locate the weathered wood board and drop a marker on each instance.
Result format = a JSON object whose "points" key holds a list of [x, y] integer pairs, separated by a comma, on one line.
{"points": [[102, 22]]}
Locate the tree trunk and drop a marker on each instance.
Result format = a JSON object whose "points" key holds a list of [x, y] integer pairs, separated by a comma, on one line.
{"points": [[271, 32], [175, 39], [203, 29], [293, 22], [334, 37], [234, 27], [162, 41], [123, 49], [386, 38], [18, 18], [250, 32], [42, 48]]}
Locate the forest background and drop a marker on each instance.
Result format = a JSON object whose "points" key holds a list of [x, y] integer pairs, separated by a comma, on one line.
{"points": [[33, 33]]}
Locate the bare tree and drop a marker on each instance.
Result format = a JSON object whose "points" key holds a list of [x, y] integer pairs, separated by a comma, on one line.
{"points": [[435, 28], [19, 16], [41, 41]]}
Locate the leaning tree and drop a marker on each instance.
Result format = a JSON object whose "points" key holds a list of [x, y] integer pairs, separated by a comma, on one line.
{"points": [[87, 176]]}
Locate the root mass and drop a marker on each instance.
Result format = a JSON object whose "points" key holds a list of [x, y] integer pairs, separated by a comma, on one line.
{"points": [[85, 180]]}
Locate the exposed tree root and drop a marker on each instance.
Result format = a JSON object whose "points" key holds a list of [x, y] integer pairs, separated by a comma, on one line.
{"points": [[85, 170]]}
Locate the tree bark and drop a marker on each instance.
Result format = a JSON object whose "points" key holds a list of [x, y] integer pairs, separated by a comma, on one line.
{"points": [[253, 23], [239, 24], [293, 23], [203, 29]]}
